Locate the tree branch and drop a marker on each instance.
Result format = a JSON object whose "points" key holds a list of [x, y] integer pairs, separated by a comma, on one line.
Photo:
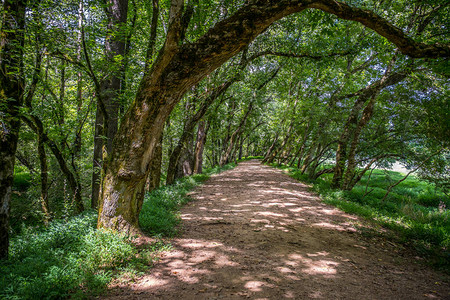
{"points": [[371, 20]]}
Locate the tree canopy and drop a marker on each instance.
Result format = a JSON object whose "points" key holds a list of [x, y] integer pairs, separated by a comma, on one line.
{"points": [[102, 99]]}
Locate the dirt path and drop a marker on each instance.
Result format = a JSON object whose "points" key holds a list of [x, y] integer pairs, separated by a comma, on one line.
{"points": [[255, 233]]}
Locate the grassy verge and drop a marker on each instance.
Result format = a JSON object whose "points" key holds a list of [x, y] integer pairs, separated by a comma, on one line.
{"points": [[159, 215], [415, 211], [68, 258], [72, 259]]}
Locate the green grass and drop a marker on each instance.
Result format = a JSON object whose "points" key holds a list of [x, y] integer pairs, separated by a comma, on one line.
{"points": [[417, 212], [69, 258], [22, 181], [159, 214], [250, 157], [72, 259]]}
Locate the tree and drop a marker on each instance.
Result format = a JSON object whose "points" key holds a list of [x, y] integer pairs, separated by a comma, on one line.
{"points": [[180, 65], [106, 120], [12, 89]]}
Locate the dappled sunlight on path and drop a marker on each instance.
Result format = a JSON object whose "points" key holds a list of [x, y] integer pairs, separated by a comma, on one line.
{"points": [[254, 232]]}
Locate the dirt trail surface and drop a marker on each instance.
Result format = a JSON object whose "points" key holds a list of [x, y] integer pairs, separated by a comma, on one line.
{"points": [[255, 233]]}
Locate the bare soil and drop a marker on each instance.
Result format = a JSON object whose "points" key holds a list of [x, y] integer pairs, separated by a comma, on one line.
{"points": [[255, 233]]}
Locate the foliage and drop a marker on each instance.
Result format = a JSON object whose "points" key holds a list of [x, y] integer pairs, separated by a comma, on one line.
{"points": [[69, 258], [298, 97]]}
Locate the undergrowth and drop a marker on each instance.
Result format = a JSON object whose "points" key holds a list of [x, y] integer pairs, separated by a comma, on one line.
{"points": [[68, 258], [416, 211], [72, 259]]}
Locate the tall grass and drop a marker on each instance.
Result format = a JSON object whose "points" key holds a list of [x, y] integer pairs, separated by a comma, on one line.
{"points": [[415, 210]]}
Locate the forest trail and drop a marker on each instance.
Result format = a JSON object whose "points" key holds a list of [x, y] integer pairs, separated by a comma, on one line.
{"points": [[255, 233]]}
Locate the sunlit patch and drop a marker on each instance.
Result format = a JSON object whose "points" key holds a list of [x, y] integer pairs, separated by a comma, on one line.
{"points": [[240, 205], [173, 254], [200, 256], [276, 204], [359, 246], [176, 264], [291, 263], [222, 260], [321, 267], [201, 244], [330, 211], [284, 270], [329, 226], [269, 213], [151, 282], [187, 217], [254, 286], [296, 210], [254, 202], [295, 256], [260, 221]]}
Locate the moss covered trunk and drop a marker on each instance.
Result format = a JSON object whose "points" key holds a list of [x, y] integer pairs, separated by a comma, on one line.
{"points": [[11, 99]]}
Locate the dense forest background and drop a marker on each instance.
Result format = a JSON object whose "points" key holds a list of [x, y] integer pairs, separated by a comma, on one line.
{"points": [[103, 101]]}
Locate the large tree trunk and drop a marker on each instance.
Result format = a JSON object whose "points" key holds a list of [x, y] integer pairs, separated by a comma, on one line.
{"points": [[117, 11], [185, 166], [154, 178], [180, 66], [110, 87], [11, 99], [200, 146]]}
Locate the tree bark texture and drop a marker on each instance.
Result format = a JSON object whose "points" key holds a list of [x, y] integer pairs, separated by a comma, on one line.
{"points": [[11, 99], [110, 87], [179, 67], [116, 11], [154, 178], [202, 132]]}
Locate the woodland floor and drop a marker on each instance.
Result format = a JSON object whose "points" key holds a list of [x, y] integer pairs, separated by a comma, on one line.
{"points": [[255, 233]]}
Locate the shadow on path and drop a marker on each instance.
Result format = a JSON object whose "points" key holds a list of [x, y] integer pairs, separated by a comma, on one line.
{"points": [[255, 233]]}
